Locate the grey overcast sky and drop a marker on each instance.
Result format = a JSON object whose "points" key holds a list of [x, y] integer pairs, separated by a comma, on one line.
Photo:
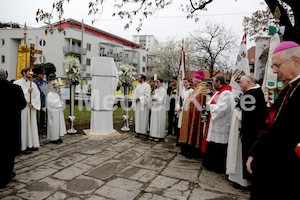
{"points": [[170, 22]]}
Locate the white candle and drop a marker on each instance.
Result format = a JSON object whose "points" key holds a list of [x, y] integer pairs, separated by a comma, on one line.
{"points": [[155, 77]]}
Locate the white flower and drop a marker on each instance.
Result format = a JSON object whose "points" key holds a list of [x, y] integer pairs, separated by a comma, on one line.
{"points": [[126, 74], [72, 68]]}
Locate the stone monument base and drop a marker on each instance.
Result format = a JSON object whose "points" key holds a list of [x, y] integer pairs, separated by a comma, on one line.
{"points": [[87, 132]]}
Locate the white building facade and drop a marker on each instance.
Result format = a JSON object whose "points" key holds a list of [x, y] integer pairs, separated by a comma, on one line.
{"points": [[57, 46], [148, 42]]}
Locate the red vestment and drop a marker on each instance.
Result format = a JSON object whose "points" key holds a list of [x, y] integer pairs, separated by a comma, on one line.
{"points": [[192, 128]]}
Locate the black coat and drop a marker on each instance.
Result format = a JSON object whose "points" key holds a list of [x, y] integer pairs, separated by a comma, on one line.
{"points": [[253, 119], [276, 166], [12, 101]]}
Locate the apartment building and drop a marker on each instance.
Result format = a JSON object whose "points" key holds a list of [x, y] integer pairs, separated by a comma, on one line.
{"points": [[57, 46], [147, 42]]}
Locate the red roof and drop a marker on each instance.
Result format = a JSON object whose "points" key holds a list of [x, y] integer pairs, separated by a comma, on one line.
{"points": [[71, 23]]}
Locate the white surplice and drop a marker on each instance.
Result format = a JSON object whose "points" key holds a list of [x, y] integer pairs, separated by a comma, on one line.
{"points": [[234, 162], [158, 113], [220, 120], [56, 126], [184, 94], [29, 130], [141, 107]]}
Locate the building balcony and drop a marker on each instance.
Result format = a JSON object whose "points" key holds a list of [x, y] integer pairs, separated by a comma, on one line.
{"points": [[73, 50], [131, 61]]}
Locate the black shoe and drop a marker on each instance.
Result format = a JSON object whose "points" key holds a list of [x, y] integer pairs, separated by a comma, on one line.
{"points": [[137, 135], [35, 149], [13, 175], [59, 141]]}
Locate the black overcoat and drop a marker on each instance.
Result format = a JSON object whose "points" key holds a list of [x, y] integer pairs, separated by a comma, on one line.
{"points": [[12, 101], [276, 166], [254, 113]]}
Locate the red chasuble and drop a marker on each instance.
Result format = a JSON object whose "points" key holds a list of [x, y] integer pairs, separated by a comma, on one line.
{"points": [[192, 128]]}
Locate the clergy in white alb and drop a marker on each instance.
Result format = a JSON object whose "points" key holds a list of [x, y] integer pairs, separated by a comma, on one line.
{"points": [[220, 108], [187, 90], [141, 105], [56, 126], [29, 130], [234, 162], [158, 112]]}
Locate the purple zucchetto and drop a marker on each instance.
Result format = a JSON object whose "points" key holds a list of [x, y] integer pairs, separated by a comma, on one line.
{"points": [[285, 45], [199, 75]]}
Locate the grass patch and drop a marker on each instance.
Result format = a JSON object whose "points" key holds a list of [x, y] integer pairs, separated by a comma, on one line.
{"points": [[84, 116]]}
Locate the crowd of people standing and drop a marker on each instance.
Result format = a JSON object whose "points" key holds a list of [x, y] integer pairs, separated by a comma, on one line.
{"points": [[24, 98], [255, 146]]}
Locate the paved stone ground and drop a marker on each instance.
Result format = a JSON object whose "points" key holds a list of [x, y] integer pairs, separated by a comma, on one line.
{"points": [[120, 167]]}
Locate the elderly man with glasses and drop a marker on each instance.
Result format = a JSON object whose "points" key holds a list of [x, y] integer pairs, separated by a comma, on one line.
{"points": [[274, 160]]}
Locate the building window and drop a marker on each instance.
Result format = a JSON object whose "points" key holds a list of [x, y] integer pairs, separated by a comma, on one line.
{"points": [[88, 46], [42, 59], [102, 51], [2, 58], [88, 61], [144, 58], [42, 43], [144, 69], [2, 42]]}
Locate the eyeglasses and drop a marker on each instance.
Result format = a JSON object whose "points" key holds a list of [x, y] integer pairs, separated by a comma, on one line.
{"points": [[277, 66]]}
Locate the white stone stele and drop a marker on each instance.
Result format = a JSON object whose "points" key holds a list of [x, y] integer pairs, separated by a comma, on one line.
{"points": [[104, 83]]}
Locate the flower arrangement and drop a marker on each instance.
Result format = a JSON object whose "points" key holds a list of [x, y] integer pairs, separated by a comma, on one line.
{"points": [[126, 74], [72, 69]]}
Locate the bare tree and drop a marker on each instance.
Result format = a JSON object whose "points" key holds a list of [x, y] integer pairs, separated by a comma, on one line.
{"points": [[260, 21], [167, 58], [290, 12], [215, 47], [136, 8]]}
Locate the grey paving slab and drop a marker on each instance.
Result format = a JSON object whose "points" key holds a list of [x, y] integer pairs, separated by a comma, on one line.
{"points": [[199, 194], [40, 189], [136, 173], [150, 196], [65, 161], [82, 185], [72, 171], [99, 158], [180, 190], [108, 191], [185, 163], [151, 163], [125, 184], [163, 182], [215, 182], [120, 167], [107, 170], [179, 173], [35, 174]]}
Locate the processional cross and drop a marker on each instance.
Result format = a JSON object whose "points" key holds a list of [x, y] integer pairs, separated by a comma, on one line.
{"points": [[24, 50]]}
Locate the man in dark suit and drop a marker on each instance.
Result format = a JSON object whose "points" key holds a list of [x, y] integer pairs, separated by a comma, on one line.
{"points": [[254, 113], [273, 159], [12, 102], [172, 93]]}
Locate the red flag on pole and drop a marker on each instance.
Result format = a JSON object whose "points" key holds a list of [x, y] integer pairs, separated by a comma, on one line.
{"points": [[181, 73]]}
